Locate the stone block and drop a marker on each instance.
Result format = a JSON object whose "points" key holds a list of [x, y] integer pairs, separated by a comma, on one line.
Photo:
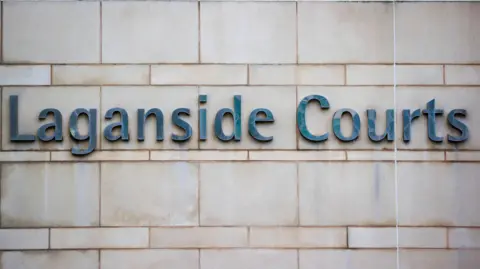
{"points": [[386, 237], [293, 237], [14, 239], [349, 193], [437, 32], [199, 155], [404, 75], [80, 238], [438, 194], [440, 259], [248, 259], [297, 75], [101, 74], [49, 195], [25, 156], [462, 74], [267, 36], [463, 238], [149, 194], [199, 237], [73, 259], [290, 155], [149, 258], [330, 32], [248, 194], [51, 32], [149, 32], [199, 74], [25, 75], [351, 259], [114, 155]]}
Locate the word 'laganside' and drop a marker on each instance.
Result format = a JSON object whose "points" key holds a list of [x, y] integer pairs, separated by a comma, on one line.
{"points": [[119, 130]]}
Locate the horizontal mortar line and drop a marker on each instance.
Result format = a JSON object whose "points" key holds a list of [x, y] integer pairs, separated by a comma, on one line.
{"points": [[110, 248], [243, 150], [238, 226], [232, 64], [439, 86], [173, 227]]}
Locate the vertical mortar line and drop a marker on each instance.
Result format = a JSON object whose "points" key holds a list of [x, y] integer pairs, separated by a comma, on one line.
{"points": [[298, 258], [149, 74], [51, 74], [345, 74], [100, 194], [298, 191], [100, 138], [348, 241], [199, 257], [101, 32], [296, 32], [447, 239], [149, 237], [297, 137], [1, 31], [198, 33], [443, 67], [198, 192], [1, 116], [248, 74], [49, 238]]}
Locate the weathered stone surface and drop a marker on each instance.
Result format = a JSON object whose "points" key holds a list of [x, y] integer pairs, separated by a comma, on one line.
{"points": [[341, 194], [149, 32], [149, 258], [464, 238], [25, 75], [51, 32], [80, 238], [249, 259], [199, 237], [331, 33], [14, 239], [100, 74], [49, 259], [386, 237], [149, 194], [462, 74], [403, 74], [49, 195], [297, 75], [208, 74], [437, 32], [293, 237], [267, 36], [351, 259], [438, 194], [248, 194]]}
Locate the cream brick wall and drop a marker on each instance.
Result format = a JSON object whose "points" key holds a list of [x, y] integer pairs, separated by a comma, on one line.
{"points": [[286, 204]]}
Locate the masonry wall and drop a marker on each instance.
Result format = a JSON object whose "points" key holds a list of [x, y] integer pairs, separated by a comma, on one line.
{"points": [[288, 204]]}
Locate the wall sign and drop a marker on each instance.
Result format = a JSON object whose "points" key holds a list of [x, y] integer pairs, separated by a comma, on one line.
{"points": [[53, 130]]}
